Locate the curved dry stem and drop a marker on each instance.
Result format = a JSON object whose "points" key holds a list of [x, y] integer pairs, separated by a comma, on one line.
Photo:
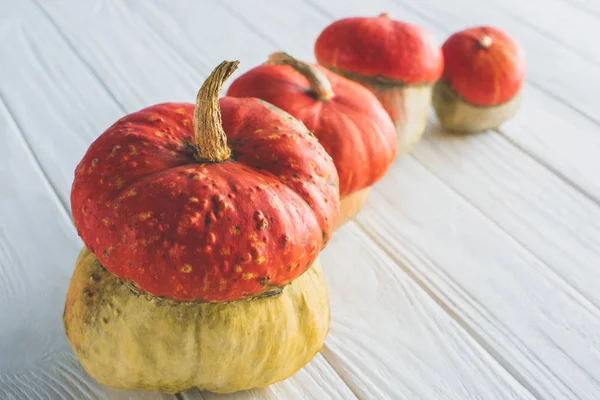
{"points": [[211, 141], [319, 84], [485, 41]]}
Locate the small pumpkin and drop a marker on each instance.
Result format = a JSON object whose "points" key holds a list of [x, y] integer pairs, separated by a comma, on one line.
{"points": [[398, 61], [202, 224], [482, 80], [347, 119]]}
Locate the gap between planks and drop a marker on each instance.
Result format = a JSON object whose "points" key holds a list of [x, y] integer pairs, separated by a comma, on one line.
{"points": [[577, 5], [505, 364], [38, 166], [589, 196], [583, 300], [542, 32], [74, 50]]}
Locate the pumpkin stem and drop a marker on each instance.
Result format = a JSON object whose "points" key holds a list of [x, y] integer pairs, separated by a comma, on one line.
{"points": [[485, 41], [211, 141], [319, 84]]}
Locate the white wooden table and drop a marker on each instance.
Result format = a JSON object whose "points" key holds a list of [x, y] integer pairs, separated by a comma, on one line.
{"points": [[472, 273]]}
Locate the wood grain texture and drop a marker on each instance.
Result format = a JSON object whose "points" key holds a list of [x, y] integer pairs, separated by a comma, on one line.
{"points": [[551, 220], [534, 323], [390, 340], [591, 7], [552, 19]]}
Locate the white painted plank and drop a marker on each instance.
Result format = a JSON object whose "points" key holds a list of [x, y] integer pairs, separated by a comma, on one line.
{"points": [[569, 27], [54, 76], [56, 100], [591, 7], [38, 245], [311, 382], [528, 317], [389, 339], [556, 223]]}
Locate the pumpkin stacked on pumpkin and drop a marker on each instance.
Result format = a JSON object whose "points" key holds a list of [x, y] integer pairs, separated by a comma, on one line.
{"points": [[203, 225]]}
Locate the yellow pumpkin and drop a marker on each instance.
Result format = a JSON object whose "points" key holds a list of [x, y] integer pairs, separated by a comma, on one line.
{"points": [[131, 340]]}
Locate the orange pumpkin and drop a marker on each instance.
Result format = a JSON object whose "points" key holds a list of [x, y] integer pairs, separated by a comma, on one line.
{"points": [[481, 84]]}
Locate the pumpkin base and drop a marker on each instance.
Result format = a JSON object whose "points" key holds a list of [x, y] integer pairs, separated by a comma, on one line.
{"points": [[458, 115], [407, 105], [350, 205], [129, 340]]}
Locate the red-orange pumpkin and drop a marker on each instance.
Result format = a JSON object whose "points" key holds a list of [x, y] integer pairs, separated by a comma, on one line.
{"points": [[189, 209], [346, 118], [483, 75], [398, 61]]}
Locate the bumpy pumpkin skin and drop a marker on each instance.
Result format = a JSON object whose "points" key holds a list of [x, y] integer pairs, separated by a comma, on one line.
{"points": [[129, 340], [397, 61], [481, 85], [214, 232]]}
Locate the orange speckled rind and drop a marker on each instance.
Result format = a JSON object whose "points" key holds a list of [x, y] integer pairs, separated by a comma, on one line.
{"points": [[212, 232], [380, 46], [484, 76]]}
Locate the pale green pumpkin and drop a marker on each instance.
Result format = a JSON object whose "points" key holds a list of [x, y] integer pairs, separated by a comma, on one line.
{"points": [[132, 340], [458, 115]]}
